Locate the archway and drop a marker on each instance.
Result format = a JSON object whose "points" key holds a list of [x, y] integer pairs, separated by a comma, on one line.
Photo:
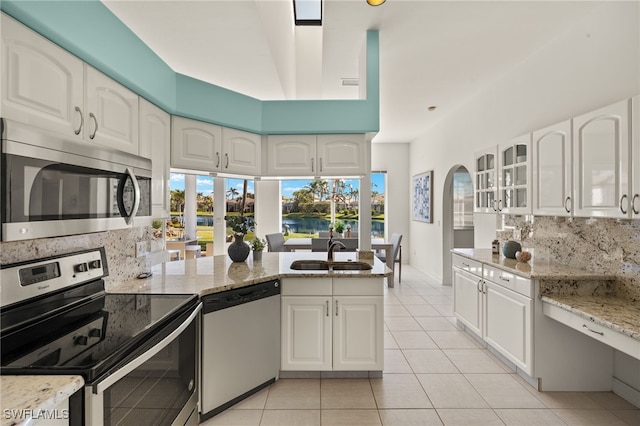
{"points": [[457, 220]]}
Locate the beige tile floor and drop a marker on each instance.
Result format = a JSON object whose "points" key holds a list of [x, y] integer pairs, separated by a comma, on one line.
{"points": [[434, 374]]}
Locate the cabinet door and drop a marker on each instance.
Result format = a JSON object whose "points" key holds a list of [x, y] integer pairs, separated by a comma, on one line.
{"points": [[467, 299], [508, 324], [42, 84], [552, 170], [155, 141], [341, 155], [357, 333], [486, 181], [291, 155], [242, 152], [196, 145], [112, 115], [601, 152], [635, 165], [514, 181], [306, 333]]}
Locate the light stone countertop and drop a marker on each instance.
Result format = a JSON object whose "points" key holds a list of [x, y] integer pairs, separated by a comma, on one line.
{"points": [[213, 274], [591, 295], [37, 395], [534, 269]]}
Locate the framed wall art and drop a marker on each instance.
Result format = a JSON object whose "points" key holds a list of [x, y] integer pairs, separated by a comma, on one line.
{"points": [[422, 197]]}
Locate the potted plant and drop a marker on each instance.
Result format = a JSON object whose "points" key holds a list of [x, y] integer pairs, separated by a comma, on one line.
{"points": [[338, 226], [238, 250], [257, 245]]}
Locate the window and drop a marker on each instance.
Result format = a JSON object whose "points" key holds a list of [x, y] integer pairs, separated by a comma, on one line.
{"points": [[462, 199], [176, 227], [236, 201]]}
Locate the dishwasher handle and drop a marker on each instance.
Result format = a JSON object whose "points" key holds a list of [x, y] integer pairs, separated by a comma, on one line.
{"points": [[227, 299]]}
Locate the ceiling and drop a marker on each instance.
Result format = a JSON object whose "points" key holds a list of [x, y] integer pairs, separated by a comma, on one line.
{"points": [[432, 53]]}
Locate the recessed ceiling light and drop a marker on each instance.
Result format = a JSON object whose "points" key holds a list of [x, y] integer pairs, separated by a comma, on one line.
{"points": [[432, 108]]}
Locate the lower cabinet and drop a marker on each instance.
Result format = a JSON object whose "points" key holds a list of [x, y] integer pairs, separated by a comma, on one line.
{"points": [[332, 324], [468, 299]]}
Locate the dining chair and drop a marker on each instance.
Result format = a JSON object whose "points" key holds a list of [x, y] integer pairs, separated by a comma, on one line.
{"points": [[396, 239], [275, 242]]}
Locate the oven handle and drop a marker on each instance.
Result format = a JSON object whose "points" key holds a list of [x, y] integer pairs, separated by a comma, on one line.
{"points": [[103, 385]]}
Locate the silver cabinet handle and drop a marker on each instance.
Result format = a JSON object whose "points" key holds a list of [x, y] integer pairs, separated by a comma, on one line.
{"points": [[567, 200], [499, 205], [466, 265], [320, 163], [494, 205], [327, 308], [336, 308], [218, 159], [503, 278], [79, 129], [593, 331], [633, 204], [478, 286], [313, 160], [621, 201], [95, 121], [226, 156], [484, 287]]}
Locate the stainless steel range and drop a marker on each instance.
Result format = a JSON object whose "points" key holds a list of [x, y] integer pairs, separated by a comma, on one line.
{"points": [[136, 352]]}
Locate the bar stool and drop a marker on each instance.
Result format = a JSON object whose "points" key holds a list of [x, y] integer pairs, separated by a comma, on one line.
{"points": [[191, 252]]}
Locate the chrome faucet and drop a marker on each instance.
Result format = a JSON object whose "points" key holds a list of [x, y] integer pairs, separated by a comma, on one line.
{"points": [[332, 247]]}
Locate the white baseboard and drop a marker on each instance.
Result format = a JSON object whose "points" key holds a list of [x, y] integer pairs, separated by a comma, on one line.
{"points": [[626, 392]]}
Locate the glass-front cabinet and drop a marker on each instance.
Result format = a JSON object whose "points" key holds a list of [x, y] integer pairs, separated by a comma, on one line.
{"points": [[515, 193], [486, 181]]}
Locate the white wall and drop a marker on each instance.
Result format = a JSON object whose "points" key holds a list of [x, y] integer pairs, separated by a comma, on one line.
{"points": [[591, 64], [394, 159]]}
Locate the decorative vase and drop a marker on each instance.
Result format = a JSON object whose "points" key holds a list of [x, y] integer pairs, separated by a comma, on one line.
{"points": [[238, 250], [510, 248], [257, 255]]}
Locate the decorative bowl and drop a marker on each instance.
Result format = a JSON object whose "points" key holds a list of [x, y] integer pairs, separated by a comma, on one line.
{"points": [[523, 256]]}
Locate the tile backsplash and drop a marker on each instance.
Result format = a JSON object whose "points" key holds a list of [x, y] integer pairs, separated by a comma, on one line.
{"points": [[602, 245], [119, 246]]}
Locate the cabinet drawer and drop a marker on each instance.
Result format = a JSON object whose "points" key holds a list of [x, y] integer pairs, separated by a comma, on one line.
{"points": [[467, 264], [358, 286], [608, 336], [511, 281], [306, 287]]}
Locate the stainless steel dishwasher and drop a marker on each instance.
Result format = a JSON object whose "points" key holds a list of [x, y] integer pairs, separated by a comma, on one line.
{"points": [[240, 345]]}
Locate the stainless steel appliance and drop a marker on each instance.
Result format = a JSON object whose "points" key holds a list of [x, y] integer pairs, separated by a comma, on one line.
{"points": [[240, 345], [136, 352], [54, 187]]}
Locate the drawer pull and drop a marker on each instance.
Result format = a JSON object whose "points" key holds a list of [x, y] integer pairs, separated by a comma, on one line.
{"points": [[503, 278], [466, 265], [593, 331], [327, 308], [624, 197]]}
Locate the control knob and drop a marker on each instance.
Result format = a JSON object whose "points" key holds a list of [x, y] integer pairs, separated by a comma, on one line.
{"points": [[80, 267], [80, 340]]}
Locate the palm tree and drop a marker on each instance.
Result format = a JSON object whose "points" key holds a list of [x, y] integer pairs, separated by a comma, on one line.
{"points": [[177, 200], [231, 193]]}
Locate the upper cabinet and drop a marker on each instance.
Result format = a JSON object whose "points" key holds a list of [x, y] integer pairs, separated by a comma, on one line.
{"points": [[552, 170], [202, 146], [486, 181], [601, 152], [635, 165], [196, 145], [155, 142], [311, 155], [515, 193], [45, 86]]}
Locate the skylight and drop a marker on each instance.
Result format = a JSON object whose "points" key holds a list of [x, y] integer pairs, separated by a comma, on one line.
{"points": [[307, 12]]}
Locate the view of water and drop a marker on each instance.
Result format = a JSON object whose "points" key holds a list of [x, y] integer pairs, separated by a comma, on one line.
{"points": [[313, 225]]}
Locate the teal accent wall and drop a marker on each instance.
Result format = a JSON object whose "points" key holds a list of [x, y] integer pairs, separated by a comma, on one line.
{"points": [[90, 31]]}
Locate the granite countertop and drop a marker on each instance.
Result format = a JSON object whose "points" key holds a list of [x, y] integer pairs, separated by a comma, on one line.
{"points": [[534, 269], [37, 396], [213, 274]]}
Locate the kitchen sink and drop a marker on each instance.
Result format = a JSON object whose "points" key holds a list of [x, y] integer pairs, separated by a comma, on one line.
{"points": [[323, 265]]}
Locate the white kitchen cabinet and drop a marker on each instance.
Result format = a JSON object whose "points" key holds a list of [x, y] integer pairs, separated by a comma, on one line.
{"points": [[486, 181], [316, 155], [552, 168], [112, 112], [241, 152], [635, 164], [338, 329], [47, 87], [42, 84], [195, 145], [601, 152], [155, 142], [508, 324], [514, 181], [467, 304]]}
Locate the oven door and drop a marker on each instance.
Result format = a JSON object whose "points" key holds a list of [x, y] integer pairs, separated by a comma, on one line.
{"points": [[48, 193], [157, 387]]}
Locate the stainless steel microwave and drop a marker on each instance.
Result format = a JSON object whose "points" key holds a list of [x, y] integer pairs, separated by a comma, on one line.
{"points": [[53, 187]]}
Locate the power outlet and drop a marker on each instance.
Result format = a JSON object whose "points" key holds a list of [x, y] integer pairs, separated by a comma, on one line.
{"points": [[142, 248], [517, 234]]}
